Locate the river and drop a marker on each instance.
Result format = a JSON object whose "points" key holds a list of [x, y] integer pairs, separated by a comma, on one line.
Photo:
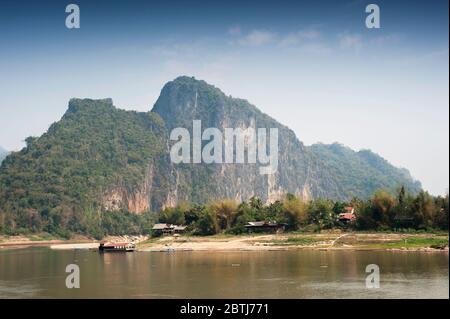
{"points": [[39, 272]]}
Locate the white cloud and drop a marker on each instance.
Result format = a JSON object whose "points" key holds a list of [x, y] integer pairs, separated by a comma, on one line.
{"points": [[350, 41], [262, 37], [290, 39], [258, 38], [299, 36], [316, 49], [385, 39]]}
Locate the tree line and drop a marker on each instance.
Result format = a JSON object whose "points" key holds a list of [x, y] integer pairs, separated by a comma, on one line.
{"points": [[382, 211]]}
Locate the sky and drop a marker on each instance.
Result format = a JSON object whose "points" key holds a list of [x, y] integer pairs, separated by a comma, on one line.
{"points": [[312, 65]]}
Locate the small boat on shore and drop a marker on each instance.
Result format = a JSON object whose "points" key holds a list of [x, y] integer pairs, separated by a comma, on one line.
{"points": [[116, 247]]}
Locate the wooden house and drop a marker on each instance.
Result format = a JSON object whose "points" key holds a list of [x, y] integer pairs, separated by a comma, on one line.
{"points": [[265, 226]]}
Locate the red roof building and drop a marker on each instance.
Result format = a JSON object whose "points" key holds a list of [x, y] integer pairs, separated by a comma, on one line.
{"points": [[348, 215]]}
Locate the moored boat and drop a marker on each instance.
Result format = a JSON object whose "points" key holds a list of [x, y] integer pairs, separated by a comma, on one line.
{"points": [[116, 247]]}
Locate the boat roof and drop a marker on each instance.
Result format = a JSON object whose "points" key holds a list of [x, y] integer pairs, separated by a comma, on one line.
{"points": [[264, 223], [168, 226], [117, 244]]}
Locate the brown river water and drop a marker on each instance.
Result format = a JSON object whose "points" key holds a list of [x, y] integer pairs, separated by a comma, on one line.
{"points": [[39, 272]]}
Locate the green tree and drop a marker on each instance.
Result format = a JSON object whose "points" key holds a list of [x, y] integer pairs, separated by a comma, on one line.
{"points": [[383, 205], [441, 217], [256, 203], [320, 213], [294, 212], [424, 210], [207, 223], [339, 207], [172, 215]]}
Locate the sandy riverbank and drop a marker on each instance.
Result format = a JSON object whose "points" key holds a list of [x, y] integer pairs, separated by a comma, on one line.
{"points": [[76, 242], [323, 241], [262, 242], [36, 240], [95, 244]]}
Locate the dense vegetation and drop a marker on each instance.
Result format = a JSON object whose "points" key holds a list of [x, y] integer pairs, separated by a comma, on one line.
{"points": [[359, 173], [382, 212], [55, 183]]}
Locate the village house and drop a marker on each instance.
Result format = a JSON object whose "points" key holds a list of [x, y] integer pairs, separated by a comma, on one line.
{"points": [[348, 215], [264, 226], [168, 229]]}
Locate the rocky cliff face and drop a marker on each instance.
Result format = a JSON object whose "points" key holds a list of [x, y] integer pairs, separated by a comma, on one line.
{"points": [[299, 171], [100, 158], [137, 200]]}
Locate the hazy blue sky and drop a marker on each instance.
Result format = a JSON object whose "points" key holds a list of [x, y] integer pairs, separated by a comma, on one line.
{"points": [[312, 65]]}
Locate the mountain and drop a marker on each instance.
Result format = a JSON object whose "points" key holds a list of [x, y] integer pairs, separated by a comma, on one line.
{"points": [[332, 171], [360, 173], [299, 171], [73, 165], [100, 158], [3, 154]]}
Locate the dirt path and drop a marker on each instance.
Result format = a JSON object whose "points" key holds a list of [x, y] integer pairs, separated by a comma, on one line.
{"points": [[334, 241]]}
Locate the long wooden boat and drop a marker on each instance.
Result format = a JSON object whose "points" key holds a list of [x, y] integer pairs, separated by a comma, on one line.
{"points": [[116, 247]]}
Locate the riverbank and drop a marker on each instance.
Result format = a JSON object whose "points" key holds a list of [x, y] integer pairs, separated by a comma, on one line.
{"points": [[320, 241], [76, 242], [332, 240], [23, 241]]}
